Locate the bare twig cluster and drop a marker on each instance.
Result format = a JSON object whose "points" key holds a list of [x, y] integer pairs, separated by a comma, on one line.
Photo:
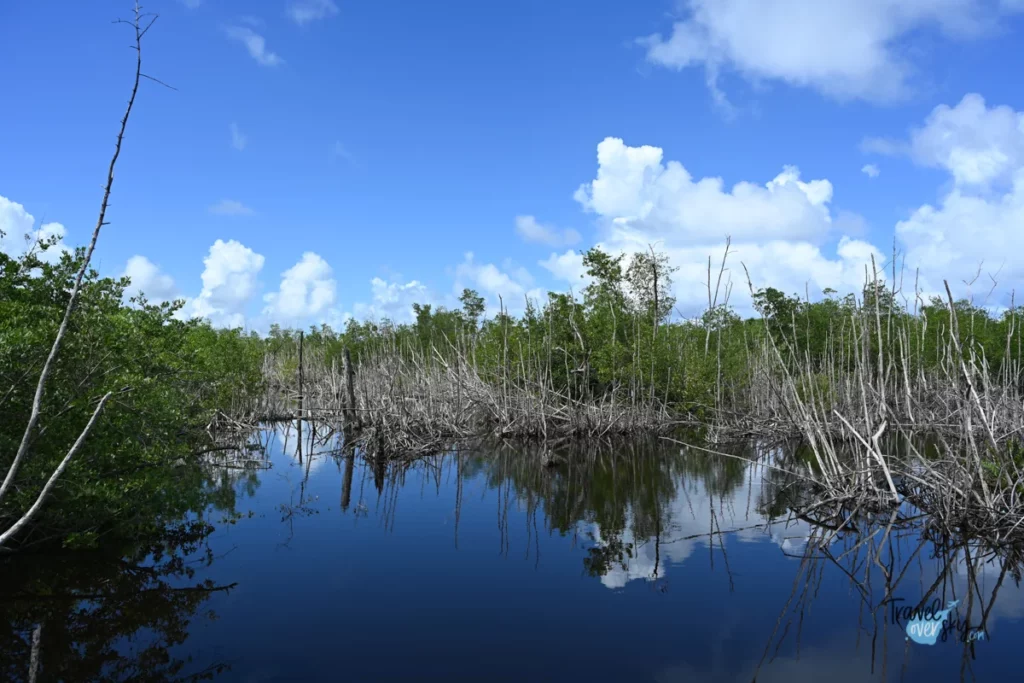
{"points": [[409, 402], [957, 422]]}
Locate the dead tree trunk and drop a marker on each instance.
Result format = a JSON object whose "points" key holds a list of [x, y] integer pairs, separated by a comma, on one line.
{"points": [[351, 410], [301, 334]]}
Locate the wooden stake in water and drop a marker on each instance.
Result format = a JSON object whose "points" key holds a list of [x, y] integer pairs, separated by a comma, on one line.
{"points": [[301, 335], [350, 374]]}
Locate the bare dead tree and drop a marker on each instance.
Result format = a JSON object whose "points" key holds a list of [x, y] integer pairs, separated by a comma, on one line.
{"points": [[713, 300]]}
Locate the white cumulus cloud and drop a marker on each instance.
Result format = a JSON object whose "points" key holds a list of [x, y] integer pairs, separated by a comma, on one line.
{"points": [[870, 170], [307, 289], [18, 233], [569, 267], [147, 278], [974, 230], [230, 280], [966, 235], [976, 144], [779, 229], [638, 194], [509, 286], [393, 300]]}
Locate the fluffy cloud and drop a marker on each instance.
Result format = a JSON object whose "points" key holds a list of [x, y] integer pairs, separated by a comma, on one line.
{"points": [[255, 44], [147, 278], [510, 286], [870, 170], [779, 229], [238, 139], [568, 267], [18, 233], [307, 289], [304, 11], [844, 49], [966, 233], [231, 207], [977, 224], [976, 144], [532, 231], [229, 282], [641, 196], [393, 300]]}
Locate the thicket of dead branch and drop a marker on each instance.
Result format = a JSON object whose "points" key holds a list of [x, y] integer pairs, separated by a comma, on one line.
{"points": [[957, 423], [408, 403]]}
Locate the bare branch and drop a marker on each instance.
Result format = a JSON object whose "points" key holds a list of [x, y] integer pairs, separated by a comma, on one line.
{"points": [[34, 510]]}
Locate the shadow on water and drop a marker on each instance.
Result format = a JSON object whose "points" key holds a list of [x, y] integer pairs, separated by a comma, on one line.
{"points": [[116, 612], [105, 615], [633, 561]]}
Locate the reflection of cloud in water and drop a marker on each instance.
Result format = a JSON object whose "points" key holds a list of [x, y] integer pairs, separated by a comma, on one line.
{"points": [[688, 521], [693, 514], [285, 438], [1010, 602]]}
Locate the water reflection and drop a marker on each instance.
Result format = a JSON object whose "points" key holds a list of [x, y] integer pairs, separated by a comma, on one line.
{"points": [[110, 615], [661, 563], [639, 506], [641, 512]]}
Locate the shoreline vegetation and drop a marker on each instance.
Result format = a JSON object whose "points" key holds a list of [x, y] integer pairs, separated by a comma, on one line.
{"points": [[849, 377], [108, 407]]}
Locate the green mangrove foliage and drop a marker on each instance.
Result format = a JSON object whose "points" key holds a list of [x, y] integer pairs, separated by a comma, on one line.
{"points": [[622, 336], [169, 379]]}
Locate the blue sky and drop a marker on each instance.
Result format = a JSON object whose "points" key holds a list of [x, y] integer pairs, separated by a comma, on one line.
{"points": [[362, 149]]}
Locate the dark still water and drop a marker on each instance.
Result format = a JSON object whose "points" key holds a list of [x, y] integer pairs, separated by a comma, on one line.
{"points": [[645, 562]]}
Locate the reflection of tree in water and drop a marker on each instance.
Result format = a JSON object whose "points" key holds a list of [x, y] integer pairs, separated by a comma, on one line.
{"points": [[897, 560], [233, 468], [71, 614], [84, 604], [603, 557], [627, 497], [626, 501], [228, 486], [620, 496]]}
